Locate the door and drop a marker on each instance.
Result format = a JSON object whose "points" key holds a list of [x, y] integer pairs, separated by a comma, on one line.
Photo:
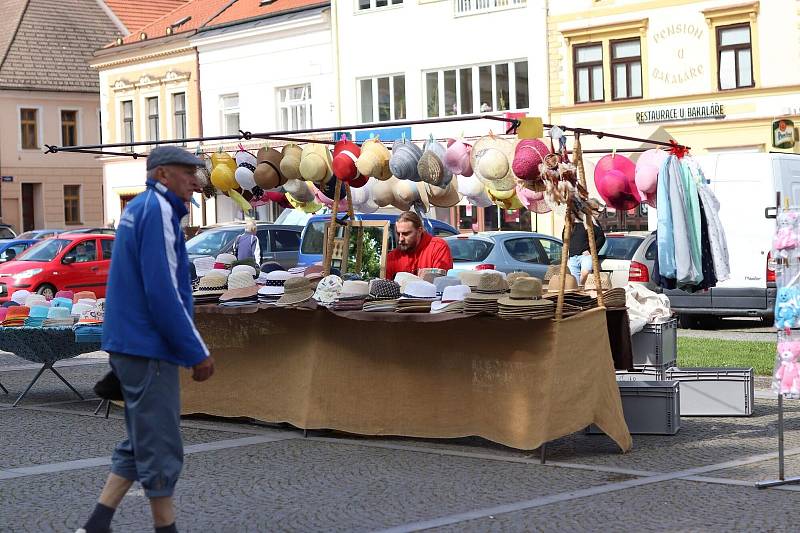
{"points": [[84, 274], [284, 246], [524, 254], [104, 264], [28, 211]]}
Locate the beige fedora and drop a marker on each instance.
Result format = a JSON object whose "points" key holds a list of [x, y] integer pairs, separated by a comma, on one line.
{"points": [[374, 160], [315, 164], [290, 161], [570, 283]]}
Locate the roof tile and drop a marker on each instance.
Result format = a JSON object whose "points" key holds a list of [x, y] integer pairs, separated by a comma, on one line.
{"points": [[136, 14]]}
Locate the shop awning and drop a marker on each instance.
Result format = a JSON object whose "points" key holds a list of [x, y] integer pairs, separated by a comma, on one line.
{"points": [[128, 191]]}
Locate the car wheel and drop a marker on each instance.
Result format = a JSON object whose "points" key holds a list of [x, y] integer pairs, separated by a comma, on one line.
{"points": [[47, 290], [687, 321]]}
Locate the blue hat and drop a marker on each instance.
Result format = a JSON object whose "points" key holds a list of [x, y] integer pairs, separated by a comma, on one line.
{"points": [[10, 303], [61, 302], [171, 155]]}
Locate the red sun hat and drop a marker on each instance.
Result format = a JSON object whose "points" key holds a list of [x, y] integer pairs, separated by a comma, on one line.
{"points": [[614, 177], [345, 155]]}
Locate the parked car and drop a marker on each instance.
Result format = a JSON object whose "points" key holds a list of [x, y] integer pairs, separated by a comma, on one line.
{"points": [[277, 242], [40, 233], [506, 251], [7, 233], [94, 231], [313, 239], [629, 257], [66, 262], [9, 250]]}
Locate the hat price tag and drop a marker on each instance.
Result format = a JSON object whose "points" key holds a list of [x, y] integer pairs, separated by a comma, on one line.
{"points": [[530, 128]]}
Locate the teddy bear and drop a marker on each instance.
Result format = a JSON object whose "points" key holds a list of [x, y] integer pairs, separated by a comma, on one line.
{"points": [[786, 238], [787, 377], [786, 311]]}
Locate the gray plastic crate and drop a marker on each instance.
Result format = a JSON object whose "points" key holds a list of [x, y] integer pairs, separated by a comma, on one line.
{"points": [[715, 391], [659, 372], [650, 407], [656, 344], [644, 374]]}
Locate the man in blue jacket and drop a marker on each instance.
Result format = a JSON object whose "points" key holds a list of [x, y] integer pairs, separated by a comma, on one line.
{"points": [[149, 332]]}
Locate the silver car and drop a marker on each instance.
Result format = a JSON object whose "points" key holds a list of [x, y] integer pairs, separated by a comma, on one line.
{"points": [[506, 251], [629, 258]]}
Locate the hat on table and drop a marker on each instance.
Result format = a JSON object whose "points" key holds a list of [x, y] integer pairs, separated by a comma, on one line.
{"points": [[419, 290], [87, 301], [384, 289], [491, 286], [404, 278], [452, 299], [212, 284], [91, 316], [470, 278], [274, 282], [514, 276], [524, 291], [247, 269], [79, 308], [60, 301], [16, 316], [328, 289], [65, 294], [354, 289], [442, 282], [605, 282], [296, 291], [241, 285], [20, 296], [36, 316], [430, 274], [570, 283], [3, 312], [171, 155], [224, 261], [203, 265], [271, 266], [62, 313], [36, 299]]}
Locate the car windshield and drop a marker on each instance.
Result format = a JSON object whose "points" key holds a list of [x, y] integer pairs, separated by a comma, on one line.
{"points": [[620, 247], [212, 242], [313, 238], [45, 250], [27, 235], [6, 233], [469, 250]]}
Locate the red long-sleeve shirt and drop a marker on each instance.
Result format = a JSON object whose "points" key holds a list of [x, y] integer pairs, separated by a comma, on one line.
{"points": [[430, 252]]}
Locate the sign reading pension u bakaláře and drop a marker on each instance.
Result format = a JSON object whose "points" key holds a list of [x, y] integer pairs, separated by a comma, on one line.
{"points": [[683, 112]]}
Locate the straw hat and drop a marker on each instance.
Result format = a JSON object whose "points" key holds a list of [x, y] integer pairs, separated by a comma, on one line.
{"points": [[246, 165], [212, 283], [457, 158], [490, 287], [296, 291], [470, 278], [247, 269], [491, 161], [570, 283], [299, 190], [514, 276], [524, 293], [405, 160], [528, 155], [605, 282], [315, 164], [383, 192], [353, 288], [443, 196], [405, 194], [268, 169], [646, 174], [345, 155], [290, 161], [431, 165], [374, 160]]}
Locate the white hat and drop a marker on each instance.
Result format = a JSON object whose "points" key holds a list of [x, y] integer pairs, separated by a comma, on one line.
{"points": [[203, 265], [352, 288], [79, 308], [247, 269], [36, 299], [225, 259], [20, 296], [274, 283], [419, 290], [328, 289], [404, 278], [240, 280], [453, 293]]}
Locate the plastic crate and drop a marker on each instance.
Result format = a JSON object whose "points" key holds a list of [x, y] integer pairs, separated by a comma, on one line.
{"points": [[659, 372], [656, 344], [650, 407], [643, 374], [715, 391]]}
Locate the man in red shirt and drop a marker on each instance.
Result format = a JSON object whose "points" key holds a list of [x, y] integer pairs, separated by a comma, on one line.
{"points": [[416, 248]]}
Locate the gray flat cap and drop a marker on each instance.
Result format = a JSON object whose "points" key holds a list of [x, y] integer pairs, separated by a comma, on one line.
{"points": [[171, 155]]}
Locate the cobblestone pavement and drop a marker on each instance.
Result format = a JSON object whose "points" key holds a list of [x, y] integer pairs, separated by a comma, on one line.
{"points": [[54, 456]]}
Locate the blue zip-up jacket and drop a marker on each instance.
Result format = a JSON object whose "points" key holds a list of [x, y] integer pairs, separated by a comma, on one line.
{"points": [[149, 309]]}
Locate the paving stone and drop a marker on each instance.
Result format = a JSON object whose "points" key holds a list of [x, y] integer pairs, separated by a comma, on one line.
{"points": [[48, 388]]}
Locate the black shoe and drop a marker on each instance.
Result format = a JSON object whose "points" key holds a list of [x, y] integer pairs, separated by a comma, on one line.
{"points": [[109, 388]]}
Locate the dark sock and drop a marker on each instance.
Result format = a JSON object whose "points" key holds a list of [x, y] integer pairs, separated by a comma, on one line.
{"points": [[100, 520], [167, 529]]}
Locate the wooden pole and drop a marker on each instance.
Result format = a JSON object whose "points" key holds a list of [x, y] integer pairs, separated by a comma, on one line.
{"points": [[587, 221], [564, 260], [327, 260]]}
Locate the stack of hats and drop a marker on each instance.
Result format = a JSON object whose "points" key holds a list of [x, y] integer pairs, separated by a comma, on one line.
{"points": [[211, 287], [203, 265], [89, 327], [59, 316], [20, 297], [16, 316], [615, 298], [245, 268], [328, 290], [3, 312], [63, 302], [266, 268], [605, 282], [69, 295], [297, 290], [483, 298], [354, 294], [514, 276], [525, 301], [383, 296], [552, 270], [430, 274], [417, 297], [441, 283], [574, 301], [84, 295], [404, 278], [37, 316], [81, 305], [242, 288], [36, 299], [470, 278], [223, 262], [452, 299], [272, 290]]}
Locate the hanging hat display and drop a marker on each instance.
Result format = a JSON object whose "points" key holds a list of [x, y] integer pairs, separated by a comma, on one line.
{"points": [[532, 200], [528, 155], [246, 166], [474, 191], [431, 165], [383, 192], [646, 174], [345, 156], [491, 162], [374, 160], [315, 164], [614, 177], [290, 161], [505, 199], [405, 160], [308, 207], [223, 171], [203, 173], [299, 190], [268, 169], [363, 201], [457, 158], [444, 196]]}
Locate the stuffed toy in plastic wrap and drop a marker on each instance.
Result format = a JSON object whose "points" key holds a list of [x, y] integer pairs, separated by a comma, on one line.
{"points": [[786, 309], [787, 375], [786, 240]]}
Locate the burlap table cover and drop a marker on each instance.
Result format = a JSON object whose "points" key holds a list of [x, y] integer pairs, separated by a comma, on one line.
{"points": [[517, 383]]}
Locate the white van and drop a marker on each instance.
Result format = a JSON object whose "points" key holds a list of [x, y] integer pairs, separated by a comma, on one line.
{"points": [[748, 186]]}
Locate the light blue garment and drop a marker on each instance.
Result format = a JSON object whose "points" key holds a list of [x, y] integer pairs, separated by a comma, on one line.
{"points": [[666, 242], [687, 272], [693, 220]]}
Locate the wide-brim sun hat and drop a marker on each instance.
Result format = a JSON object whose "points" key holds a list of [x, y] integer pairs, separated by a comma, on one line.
{"points": [[315, 164], [444, 196], [491, 162], [290, 161], [570, 283], [296, 291], [646, 174], [532, 200], [374, 160], [299, 190], [614, 177], [383, 192], [431, 165]]}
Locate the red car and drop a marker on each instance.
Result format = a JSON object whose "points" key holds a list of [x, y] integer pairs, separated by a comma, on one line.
{"points": [[75, 262]]}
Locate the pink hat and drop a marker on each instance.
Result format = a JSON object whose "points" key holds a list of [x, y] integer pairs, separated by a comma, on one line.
{"points": [[527, 157], [532, 200], [3, 313], [614, 178], [320, 196], [647, 168], [457, 157]]}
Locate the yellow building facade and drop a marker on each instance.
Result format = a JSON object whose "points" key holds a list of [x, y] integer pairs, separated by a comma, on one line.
{"points": [[713, 75]]}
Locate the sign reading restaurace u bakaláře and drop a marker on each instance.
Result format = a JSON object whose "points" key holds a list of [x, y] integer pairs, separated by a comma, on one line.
{"points": [[683, 112]]}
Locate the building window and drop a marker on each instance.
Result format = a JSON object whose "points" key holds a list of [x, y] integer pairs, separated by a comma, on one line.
{"points": [[152, 118], [734, 57], [69, 128], [462, 91], [29, 128], [230, 114], [179, 115], [588, 72], [383, 98], [294, 107], [72, 204], [372, 4], [127, 121], [468, 7], [626, 69]]}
